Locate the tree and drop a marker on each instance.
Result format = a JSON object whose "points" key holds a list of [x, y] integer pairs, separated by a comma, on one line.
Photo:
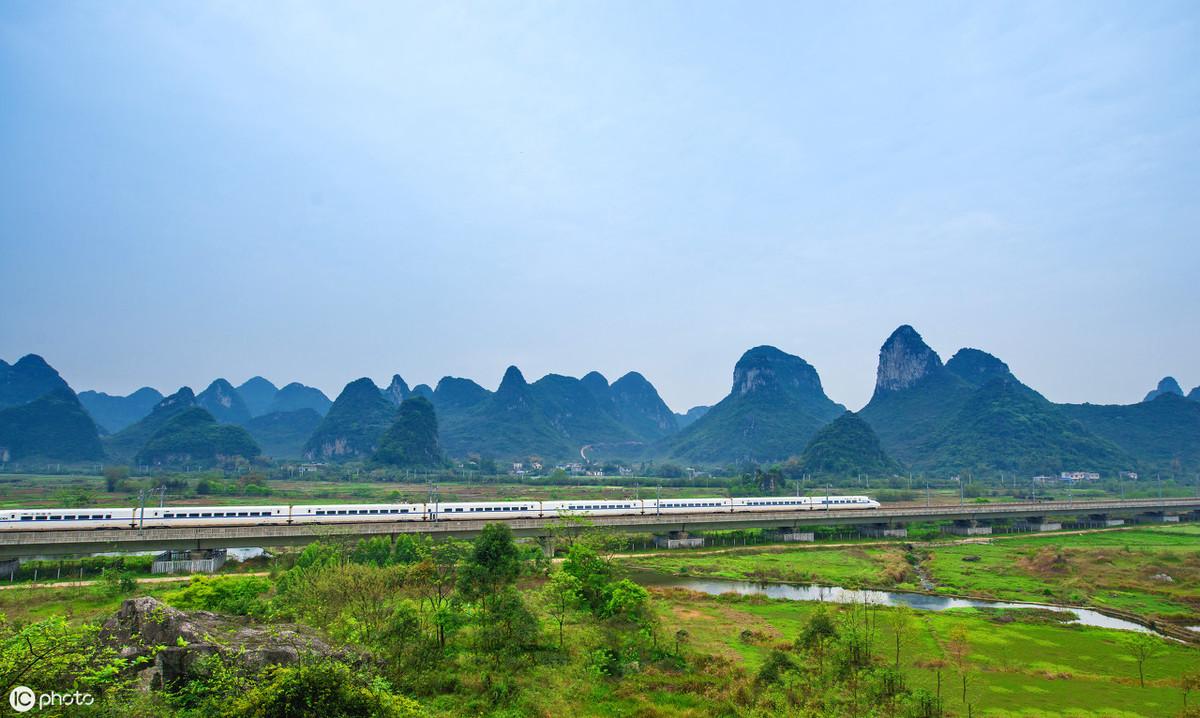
{"points": [[560, 594], [681, 639], [900, 620], [592, 572], [113, 476], [1189, 682], [1142, 647], [434, 578], [493, 563], [958, 650], [627, 600], [506, 624], [818, 633]]}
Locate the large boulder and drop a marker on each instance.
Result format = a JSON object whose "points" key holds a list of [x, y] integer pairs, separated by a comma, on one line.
{"points": [[184, 639]]}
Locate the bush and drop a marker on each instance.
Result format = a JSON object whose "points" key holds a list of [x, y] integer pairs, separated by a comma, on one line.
{"points": [[238, 595], [325, 688]]}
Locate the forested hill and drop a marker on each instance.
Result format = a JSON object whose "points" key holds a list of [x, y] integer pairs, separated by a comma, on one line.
{"points": [[776, 404]]}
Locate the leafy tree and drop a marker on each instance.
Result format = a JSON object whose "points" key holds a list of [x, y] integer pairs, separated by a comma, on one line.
{"points": [[434, 578], [818, 633], [114, 582], [626, 600], [114, 476], [493, 563], [900, 620], [560, 594], [1142, 647], [681, 639], [52, 654], [592, 572], [506, 624], [775, 666], [958, 650], [376, 551]]}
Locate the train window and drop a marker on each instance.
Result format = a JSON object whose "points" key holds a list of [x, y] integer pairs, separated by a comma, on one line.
{"points": [[27, 518]]}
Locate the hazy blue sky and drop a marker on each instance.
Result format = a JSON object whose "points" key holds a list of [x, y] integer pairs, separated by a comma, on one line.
{"points": [[318, 192]]}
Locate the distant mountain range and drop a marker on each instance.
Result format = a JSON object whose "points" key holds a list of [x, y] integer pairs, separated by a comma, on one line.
{"points": [[114, 413], [968, 414]]}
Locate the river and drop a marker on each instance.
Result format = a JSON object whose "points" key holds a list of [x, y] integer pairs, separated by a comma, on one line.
{"points": [[837, 594]]}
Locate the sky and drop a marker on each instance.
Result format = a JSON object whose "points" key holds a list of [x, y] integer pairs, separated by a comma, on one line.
{"points": [[316, 192]]}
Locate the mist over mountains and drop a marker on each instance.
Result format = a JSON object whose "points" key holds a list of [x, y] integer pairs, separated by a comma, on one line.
{"points": [[967, 414]]}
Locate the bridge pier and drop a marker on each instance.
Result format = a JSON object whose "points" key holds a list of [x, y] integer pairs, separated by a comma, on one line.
{"points": [[970, 527], [548, 545], [1039, 523], [883, 530], [790, 535], [678, 539], [1105, 520], [1160, 517]]}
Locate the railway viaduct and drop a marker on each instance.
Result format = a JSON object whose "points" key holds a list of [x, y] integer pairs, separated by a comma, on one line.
{"points": [[967, 519]]}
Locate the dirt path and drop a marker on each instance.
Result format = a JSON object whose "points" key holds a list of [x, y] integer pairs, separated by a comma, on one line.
{"points": [[90, 582]]}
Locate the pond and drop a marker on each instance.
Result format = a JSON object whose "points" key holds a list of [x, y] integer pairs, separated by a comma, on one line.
{"points": [[837, 594]]}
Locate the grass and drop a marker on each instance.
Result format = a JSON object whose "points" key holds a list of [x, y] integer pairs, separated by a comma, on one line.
{"points": [[1016, 669], [851, 567], [85, 604], [1121, 570]]}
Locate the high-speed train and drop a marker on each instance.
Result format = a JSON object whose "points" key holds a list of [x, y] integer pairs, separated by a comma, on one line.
{"points": [[168, 516]]}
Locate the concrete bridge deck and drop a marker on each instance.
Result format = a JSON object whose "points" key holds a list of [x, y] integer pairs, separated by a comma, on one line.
{"points": [[81, 541]]}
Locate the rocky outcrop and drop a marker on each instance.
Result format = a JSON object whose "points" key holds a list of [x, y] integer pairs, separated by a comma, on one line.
{"points": [[766, 368], [904, 360], [397, 391], [1167, 385], [179, 641]]}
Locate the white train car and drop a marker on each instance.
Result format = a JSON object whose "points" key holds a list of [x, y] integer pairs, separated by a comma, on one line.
{"points": [[51, 519], [183, 516]]}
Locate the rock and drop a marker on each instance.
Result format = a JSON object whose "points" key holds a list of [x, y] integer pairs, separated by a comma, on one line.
{"points": [[904, 360], [970, 558], [186, 639], [1164, 578]]}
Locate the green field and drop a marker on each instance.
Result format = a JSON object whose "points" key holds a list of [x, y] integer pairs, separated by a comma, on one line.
{"points": [[1016, 669]]}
